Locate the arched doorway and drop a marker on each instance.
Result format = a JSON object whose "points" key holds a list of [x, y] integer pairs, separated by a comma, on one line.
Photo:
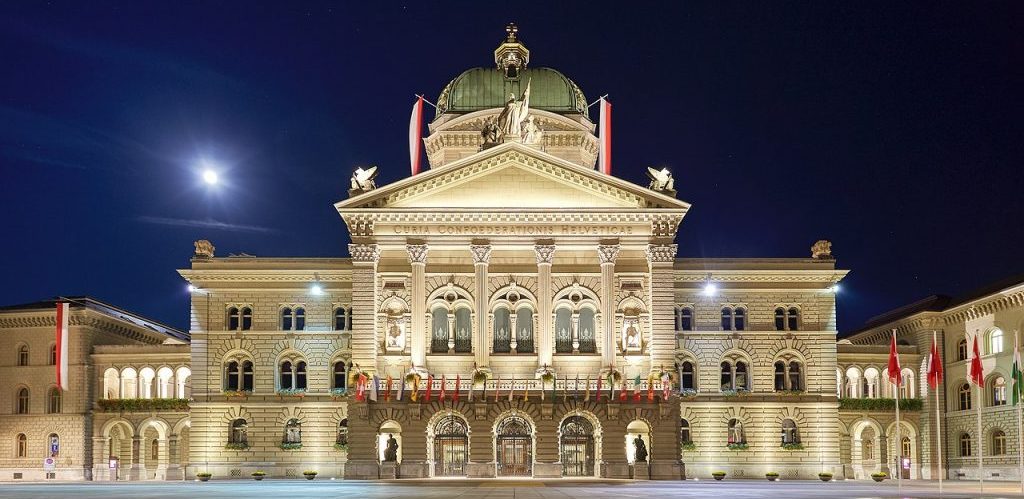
{"points": [[514, 447], [576, 446], [451, 446]]}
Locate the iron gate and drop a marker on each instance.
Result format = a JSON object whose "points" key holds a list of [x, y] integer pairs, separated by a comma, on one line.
{"points": [[514, 447], [577, 447], [451, 441]]}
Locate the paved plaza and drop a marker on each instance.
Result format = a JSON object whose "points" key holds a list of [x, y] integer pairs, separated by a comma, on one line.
{"points": [[502, 489]]}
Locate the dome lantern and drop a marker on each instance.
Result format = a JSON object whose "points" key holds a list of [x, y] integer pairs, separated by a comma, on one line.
{"points": [[511, 56]]}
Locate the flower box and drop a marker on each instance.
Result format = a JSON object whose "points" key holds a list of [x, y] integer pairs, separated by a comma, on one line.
{"points": [[718, 475], [688, 446], [236, 446], [142, 405], [204, 477], [771, 476], [236, 393], [299, 392], [738, 446], [825, 476], [290, 445], [258, 475], [793, 446], [878, 477], [309, 474]]}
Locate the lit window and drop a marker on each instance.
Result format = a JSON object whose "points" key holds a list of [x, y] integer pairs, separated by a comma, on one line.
{"points": [[999, 391], [736, 434], [21, 443], [965, 397], [53, 355], [998, 443], [995, 342], [961, 350], [239, 432], [22, 405], [789, 432], [53, 404], [292, 432]]}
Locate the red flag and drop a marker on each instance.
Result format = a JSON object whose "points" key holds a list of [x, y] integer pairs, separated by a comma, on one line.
{"points": [[361, 388], [415, 134], [62, 344], [387, 392], [895, 376], [443, 391], [977, 373], [599, 388], [934, 364], [604, 154], [458, 381], [430, 386], [650, 390]]}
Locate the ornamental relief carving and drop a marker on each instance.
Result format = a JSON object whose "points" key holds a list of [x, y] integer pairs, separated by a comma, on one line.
{"points": [[545, 253], [663, 253], [481, 253], [607, 253], [364, 253], [417, 253]]}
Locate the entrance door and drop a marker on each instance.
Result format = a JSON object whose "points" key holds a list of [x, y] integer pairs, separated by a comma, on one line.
{"points": [[514, 447], [577, 447], [451, 441]]}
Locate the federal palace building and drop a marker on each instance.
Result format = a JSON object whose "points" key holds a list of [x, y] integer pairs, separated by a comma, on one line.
{"points": [[469, 335]]}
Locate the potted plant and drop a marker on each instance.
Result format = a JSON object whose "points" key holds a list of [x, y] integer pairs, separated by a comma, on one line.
{"points": [[290, 445], [309, 474], [688, 446], [879, 476], [341, 446], [771, 476], [825, 476], [792, 446], [236, 446], [718, 475], [738, 446], [258, 475], [204, 476]]}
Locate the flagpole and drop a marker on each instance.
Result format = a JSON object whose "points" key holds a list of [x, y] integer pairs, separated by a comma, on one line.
{"points": [[938, 416], [899, 441], [1016, 401], [981, 441]]}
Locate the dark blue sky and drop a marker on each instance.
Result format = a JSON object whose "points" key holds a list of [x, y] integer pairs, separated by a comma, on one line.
{"points": [[892, 130]]}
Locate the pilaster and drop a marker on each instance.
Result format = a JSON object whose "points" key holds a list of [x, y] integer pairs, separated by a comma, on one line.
{"points": [[660, 259], [607, 253], [481, 258], [545, 342], [418, 308], [364, 304]]}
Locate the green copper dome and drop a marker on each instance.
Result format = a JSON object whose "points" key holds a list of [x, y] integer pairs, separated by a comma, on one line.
{"points": [[487, 88]]}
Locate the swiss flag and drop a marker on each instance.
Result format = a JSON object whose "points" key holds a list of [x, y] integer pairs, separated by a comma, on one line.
{"points": [[934, 364], [977, 373], [895, 376]]}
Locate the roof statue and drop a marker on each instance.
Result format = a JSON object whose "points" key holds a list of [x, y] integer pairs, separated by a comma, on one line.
{"points": [[363, 180], [661, 181], [204, 249], [822, 250], [510, 121]]}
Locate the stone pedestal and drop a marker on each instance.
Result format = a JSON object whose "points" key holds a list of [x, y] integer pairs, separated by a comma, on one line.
{"points": [[615, 470], [480, 470], [666, 470], [641, 470], [388, 471], [362, 469], [413, 469], [547, 470]]}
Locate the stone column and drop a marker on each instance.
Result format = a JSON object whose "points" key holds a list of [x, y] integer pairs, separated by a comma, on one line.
{"points": [[138, 467], [418, 261], [662, 339], [606, 254], [481, 258], [364, 304], [174, 469], [101, 458], [163, 460], [544, 341]]}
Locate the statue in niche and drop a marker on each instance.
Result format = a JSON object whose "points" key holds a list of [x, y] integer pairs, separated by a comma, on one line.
{"points": [[394, 335], [391, 451], [640, 450], [632, 336], [510, 121]]}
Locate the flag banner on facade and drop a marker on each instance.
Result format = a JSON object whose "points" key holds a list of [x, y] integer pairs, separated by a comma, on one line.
{"points": [[895, 373], [512, 389], [387, 391], [576, 387], [598, 390], [1015, 372], [415, 134], [361, 387], [63, 310], [526, 392], [637, 386], [374, 388], [458, 381], [586, 395], [444, 389], [497, 389], [650, 388], [401, 389], [934, 365], [604, 152], [666, 385], [977, 372], [430, 387]]}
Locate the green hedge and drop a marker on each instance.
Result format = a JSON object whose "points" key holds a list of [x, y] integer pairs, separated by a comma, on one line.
{"points": [[142, 405], [848, 404]]}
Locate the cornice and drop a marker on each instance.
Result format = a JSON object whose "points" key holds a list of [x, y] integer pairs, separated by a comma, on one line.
{"points": [[284, 275], [737, 276], [89, 319]]}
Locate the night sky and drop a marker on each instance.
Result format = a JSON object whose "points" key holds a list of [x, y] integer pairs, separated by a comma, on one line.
{"points": [[894, 131]]}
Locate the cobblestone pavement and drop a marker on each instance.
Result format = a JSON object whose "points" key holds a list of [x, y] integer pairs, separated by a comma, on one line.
{"points": [[500, 489]]}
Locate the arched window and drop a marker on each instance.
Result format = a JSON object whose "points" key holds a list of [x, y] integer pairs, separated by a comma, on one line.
{"points": [[239, 432], [795, 381], [742, 380], [287, 319], [780, 319], [727, 315], [111, 384], [869, 450], [300, 375], [588, 331], [238, 375], [961, 350], [906, 447], [780, 376], [524, 330], [999, 391], [300, 319], [233, 322], [502, 330], [53, 401], [463, 330], [687, 381], [247, 376], [726, 378], [995, 341], [998, 443], [341, 321], [339, 380], [342, 437], [563, 330], [790, 435], [686, 319], [684, 432], [964, 397], [793, 319], [146, 376], [292, 432], [23, 355], [231, 376], [53, 355], [736, 433], [287, 376], [965, 445], [439, 330], [739, 320], [21, 443], [164, 387], [21, 407], [246, 318], [183, 380]]}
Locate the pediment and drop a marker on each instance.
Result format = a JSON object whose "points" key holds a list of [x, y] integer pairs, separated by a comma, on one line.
{"points": [[512, 176]]}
